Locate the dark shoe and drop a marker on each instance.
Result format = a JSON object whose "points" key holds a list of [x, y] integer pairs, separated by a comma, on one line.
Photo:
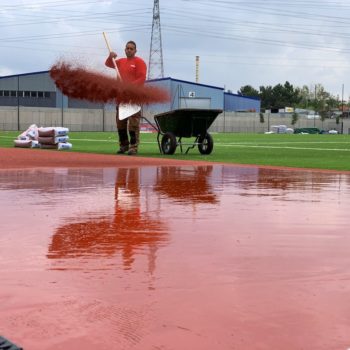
{"points": [[132, 151], [123, 149]]}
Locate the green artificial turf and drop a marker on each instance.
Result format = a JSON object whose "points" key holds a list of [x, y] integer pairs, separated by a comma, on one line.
{"points": [[322, 151]]}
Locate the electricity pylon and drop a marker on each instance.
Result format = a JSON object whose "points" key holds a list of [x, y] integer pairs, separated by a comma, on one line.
{"points": [[155, 65]]}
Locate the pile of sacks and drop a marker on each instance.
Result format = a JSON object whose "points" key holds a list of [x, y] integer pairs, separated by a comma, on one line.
{"points": [[47, 138]]}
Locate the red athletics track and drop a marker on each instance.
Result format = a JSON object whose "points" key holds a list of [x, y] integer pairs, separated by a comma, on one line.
{"points": [[119, 252]]}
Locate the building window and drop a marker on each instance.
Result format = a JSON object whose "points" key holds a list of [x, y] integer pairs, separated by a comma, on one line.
{"points": [[47, 94], [13, 93], [40, 94], [1, 93], [33, 94], [20, 93], [6, 93]]}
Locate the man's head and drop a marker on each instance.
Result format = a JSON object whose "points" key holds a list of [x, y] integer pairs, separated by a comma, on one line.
{"points": [[130, 49]]}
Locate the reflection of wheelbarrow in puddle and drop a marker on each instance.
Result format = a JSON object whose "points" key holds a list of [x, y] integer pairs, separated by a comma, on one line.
{"points": [[180, 123]]}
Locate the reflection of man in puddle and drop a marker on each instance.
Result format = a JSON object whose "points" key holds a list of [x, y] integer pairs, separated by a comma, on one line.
{"points": [[130, 230], [135, 229], [186, 184]]}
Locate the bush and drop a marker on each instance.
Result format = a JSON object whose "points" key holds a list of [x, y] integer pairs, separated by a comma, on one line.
{"points": [[262, 120], [295, 118]]}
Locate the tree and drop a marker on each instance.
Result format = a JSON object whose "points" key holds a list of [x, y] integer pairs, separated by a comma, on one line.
{"points": [[306, 99], [290, 96], [318, 99], [267, 97], [279, 96], [248, 90], [295, 118]]}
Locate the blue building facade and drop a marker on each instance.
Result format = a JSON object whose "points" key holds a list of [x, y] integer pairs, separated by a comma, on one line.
{"points": [[38, 90], [184, 94], [239, 103]]}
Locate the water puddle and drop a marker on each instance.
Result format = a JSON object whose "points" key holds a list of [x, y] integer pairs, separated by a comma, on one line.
{"points": [[190, 257]]}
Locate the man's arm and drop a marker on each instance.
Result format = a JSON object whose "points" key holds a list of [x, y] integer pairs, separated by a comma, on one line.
{"points": [[109, 61]]}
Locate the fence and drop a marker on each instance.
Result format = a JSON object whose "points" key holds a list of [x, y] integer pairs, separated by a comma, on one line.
{"points": [[241, 122], [19, 118]]}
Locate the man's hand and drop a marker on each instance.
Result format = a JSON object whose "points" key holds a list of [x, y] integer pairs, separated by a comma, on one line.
{"points": [[112, 55]]}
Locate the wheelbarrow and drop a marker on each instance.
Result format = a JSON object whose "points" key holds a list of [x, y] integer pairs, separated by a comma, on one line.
{"points": [[177, 124]]}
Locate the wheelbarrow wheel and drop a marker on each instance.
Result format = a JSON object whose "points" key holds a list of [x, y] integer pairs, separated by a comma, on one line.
{"points": [[169, 143], [205, 144]]}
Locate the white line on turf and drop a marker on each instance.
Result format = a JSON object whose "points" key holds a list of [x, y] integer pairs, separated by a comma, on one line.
{"points": [[280, 147], [244, 144]]}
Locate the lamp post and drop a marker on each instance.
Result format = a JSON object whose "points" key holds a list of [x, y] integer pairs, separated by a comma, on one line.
{"points": [[342, 109], [18, 119], [315, 107]]}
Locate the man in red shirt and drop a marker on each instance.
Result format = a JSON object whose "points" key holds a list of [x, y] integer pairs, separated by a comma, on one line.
{"points": [[132, 69]]}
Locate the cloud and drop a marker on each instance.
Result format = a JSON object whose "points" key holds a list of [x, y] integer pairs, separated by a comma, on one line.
{"points": [[239, 42]]}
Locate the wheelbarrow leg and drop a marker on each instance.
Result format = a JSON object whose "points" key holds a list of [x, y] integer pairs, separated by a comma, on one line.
{"points": [[158, 132], [193, 146], [180, 143]]}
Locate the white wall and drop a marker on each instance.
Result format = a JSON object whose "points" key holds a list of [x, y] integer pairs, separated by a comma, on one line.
{"points": [[13, 118]]}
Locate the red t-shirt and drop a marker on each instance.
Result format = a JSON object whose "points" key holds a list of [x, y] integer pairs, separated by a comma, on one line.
{"points": [[132, 70]]}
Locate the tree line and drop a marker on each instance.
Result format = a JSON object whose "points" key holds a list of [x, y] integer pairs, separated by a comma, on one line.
{"points": [[279, 96]]}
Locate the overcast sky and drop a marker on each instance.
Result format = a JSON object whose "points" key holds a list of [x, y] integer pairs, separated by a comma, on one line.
{"points": [[239, 42]]}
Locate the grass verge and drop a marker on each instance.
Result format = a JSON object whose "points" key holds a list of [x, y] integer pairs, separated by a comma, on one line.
{"points": [[296, 150]]}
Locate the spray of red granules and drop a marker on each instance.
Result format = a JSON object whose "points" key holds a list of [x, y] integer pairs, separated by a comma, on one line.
{"points": [[84, 84]]}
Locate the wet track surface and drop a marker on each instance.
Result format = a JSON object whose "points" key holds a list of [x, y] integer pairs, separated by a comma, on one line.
{"points": [[175, 257]]}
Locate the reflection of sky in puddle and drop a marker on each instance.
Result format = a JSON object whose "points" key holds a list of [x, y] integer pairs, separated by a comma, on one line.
{"points": [[217, 237]]}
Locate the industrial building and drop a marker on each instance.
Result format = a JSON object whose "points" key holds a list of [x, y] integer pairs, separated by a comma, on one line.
{"points": [[38, 90]]}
